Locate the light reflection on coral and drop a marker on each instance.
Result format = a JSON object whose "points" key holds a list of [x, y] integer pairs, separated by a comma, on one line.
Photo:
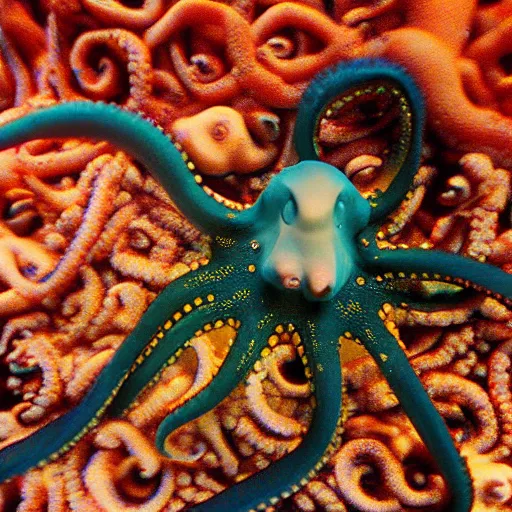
{"points": [[231, 87]]}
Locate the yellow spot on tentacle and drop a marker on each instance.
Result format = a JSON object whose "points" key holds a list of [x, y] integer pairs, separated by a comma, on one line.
{"points": [[216, 275]]}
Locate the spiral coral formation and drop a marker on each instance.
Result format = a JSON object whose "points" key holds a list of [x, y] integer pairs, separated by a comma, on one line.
{"points": [[88, 239]]}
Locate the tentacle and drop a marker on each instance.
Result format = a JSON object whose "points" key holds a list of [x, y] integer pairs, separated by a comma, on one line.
{"points": [[140, 139], [373, 77], [174, 314], [428, 265], [433, 297], [337, 40], [164, 354], [118, 14], [246, 350], [217, 293], [268, 486], [416, 403]]}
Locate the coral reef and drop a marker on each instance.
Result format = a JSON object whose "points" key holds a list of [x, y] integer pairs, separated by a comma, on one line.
{"points": [[88, 240]]}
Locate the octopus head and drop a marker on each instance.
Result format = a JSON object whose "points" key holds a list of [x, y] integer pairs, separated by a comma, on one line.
{"points": [[312, 215]]}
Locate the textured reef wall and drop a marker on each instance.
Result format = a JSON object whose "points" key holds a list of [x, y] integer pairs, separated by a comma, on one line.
{"points": [[225, 80]]}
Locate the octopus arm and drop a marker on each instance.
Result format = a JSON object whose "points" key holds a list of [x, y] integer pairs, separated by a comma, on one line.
{"points": [[161, 353], [139, 138], [431, 296], [243, 354], [354, 78], [159, 321], [438, 266], [289, 474], [393, 362]]}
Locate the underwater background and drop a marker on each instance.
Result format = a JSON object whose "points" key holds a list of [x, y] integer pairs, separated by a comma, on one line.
{"points": [[224, 79]]}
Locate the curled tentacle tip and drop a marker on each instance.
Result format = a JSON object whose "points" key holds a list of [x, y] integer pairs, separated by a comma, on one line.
{"points": [[207, 68], [363, 169], [182, 456], [458, 190], [281, 47]]}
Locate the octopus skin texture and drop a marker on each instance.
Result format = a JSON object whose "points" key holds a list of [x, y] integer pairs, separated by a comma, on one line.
{"points": [[306, 255]]}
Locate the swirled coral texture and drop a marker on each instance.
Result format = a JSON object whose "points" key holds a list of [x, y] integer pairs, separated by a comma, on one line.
{"points": [[163, 347]]}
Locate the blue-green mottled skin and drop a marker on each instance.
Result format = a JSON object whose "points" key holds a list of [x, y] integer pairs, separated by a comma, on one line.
{"points": [[306, 253]]}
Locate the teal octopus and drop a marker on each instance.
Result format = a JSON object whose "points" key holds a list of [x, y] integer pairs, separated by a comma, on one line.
{"points": [[306, 254]]}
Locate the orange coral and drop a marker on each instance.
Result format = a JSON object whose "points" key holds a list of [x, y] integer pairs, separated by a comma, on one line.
{"points": [[87, 240]]}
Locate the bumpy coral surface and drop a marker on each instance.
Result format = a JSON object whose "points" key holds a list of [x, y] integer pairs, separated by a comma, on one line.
{"points": [[225, 80]]}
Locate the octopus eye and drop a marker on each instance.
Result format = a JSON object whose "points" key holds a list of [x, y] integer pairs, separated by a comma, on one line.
{"points": [[290, 211], [340, 212], [220, 131]]}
